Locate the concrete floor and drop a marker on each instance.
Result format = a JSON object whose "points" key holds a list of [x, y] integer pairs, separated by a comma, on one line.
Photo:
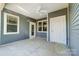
{"points": [[34, 47]]}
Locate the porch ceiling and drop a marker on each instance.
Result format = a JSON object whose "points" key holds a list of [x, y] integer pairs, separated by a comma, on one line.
{"points": [[35, 10]]}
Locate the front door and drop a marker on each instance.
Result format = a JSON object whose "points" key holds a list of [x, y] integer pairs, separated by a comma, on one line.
{"points": [[58, 29], [32, 30]]}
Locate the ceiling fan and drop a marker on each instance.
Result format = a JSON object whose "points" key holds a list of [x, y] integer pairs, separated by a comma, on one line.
{"points": [[41, 10]]}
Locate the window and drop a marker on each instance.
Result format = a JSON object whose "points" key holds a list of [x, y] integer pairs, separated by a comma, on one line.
{"points": [[11, 24], [39, 26], [42, 26], [45, 26]]}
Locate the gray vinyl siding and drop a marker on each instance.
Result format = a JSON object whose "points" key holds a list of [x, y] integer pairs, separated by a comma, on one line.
{"points": [[23, 30], [74, 27], [42, 35]]}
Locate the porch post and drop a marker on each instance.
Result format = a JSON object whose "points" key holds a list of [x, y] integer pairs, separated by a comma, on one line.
{"points": [[1, 8]]}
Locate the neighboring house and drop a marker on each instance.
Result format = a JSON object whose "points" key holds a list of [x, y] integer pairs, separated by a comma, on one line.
{"points": [[60, 26]]}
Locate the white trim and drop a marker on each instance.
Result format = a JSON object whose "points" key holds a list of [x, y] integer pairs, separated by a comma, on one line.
{"points": [[5, 24], [38, 26], [42, 31], [30, 36]]}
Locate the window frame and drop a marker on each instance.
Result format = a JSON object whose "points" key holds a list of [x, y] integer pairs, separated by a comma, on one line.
{"points": [[41, 26], [5, 23], [45, 26]]}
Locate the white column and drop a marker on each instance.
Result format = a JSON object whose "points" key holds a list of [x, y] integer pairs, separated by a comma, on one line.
{"points": [[47, 27], [0, 25], [1, 8]]}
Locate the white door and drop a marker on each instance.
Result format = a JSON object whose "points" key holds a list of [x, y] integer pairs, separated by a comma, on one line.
{"points": [[58, 29], [32, 30]]}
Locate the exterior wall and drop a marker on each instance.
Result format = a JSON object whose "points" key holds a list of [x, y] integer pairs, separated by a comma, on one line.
{"points": [[24, 26], [42, 35], [23, 31], [74, 27], [56, 14], [51, 15]]}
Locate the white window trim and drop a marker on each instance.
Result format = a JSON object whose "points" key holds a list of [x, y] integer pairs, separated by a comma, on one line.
{"points": [[42, 26], [5, 24]]}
